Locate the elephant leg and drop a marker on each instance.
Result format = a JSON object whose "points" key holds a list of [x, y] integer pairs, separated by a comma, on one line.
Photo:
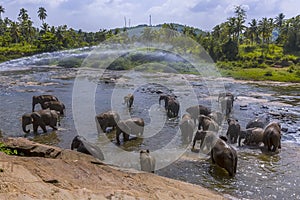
{"points": [[35, 127], [118, 136], [212, 156], [126, 137], [194, 142], [43, 126]]}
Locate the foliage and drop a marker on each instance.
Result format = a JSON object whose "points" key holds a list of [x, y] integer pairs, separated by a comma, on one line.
{"points": [[7, 150]]}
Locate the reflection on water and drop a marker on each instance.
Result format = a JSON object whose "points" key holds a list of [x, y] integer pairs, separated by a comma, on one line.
{"points": [[259, 176]]}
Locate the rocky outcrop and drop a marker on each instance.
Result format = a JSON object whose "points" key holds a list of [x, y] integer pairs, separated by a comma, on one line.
{"points": [[47, 172]]}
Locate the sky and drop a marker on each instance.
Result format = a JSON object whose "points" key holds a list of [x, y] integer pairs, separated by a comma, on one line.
{"points": [[93, 15]]}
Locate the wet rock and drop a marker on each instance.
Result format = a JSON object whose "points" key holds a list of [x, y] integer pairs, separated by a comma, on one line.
{"points": [[284, 129], [264, 107], [159, 92]]}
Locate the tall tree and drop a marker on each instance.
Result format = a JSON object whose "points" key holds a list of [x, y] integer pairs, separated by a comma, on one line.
{"points": [[239, 22], [2, 10], [42, 14], [253, 31], [279, 20]]}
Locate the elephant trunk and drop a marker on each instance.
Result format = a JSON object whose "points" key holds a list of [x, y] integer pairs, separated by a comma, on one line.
{"points": [[24, 128]]}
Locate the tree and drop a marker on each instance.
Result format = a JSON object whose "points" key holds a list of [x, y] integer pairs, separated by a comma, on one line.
{"points": [[42, 13], [279, 20], [252, 31], [2, 10], [239, 22]]}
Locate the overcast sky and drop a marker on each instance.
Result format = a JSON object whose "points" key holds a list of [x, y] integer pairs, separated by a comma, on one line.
{"points": [[92, 15]]}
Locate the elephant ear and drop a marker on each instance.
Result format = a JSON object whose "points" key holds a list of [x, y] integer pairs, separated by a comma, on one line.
{"points": [[35, 115]]}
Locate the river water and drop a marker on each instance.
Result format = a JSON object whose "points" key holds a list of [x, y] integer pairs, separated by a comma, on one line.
{"points": [[259, 175]]}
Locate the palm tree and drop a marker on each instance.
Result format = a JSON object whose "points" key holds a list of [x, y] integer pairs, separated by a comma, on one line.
{"points": [[265, 29], [2, 10], [42, 14], [240, 20], [279, 20], [253, 31], [14, 32], [23, 15]]}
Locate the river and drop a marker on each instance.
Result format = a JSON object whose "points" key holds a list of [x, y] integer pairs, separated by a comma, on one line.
{"points": [[259, 176]]}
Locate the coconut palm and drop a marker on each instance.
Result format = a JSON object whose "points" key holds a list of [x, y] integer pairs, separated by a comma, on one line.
{"points": [[2, 10], [42, 14]]}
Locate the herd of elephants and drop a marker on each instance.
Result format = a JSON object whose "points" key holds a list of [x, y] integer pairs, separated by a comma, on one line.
{"points": [[198, 124]]}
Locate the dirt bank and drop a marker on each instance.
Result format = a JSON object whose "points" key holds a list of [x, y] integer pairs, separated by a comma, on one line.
{"points": [[48, 172]]}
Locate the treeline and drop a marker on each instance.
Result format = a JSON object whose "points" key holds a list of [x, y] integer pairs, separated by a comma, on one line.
{"points": [[233, 43], [21, 38]]}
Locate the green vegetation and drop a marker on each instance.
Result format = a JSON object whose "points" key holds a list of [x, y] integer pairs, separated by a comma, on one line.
{"points": [[8, 151], [266, 49]]}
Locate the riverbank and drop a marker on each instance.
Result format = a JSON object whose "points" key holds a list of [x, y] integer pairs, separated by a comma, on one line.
{"points": [[48, 172]]}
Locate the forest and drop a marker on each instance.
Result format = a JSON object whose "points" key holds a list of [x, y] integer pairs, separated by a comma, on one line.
{"points": [[262, 49]]}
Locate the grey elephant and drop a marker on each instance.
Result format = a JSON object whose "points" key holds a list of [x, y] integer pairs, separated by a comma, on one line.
{"points": [[128, 100], [42, 99], [197, 110], [226, 94], [55, 105], [165, 98], [172, 108], [258, 123], [82, 145], [106, 119], [233, 130], [207, 123], [225, 156], [272, 136], [207, 140], [133, 126], [254, 136], [40, 118], [147, 161], [187, 127], [226, 104]]}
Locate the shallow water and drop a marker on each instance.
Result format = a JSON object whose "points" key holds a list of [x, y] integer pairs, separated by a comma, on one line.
{"points": [[259, 176]]}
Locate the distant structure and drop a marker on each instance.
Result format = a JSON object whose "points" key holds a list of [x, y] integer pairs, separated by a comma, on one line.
{"points": [[150, 20], [125, 22]]}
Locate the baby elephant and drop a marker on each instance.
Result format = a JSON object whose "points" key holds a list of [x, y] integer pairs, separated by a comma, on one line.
{"points": [[224, 156], [233, 130], [133, 126], [128, 99], [187, 126], [147, 161], [55, 105]]}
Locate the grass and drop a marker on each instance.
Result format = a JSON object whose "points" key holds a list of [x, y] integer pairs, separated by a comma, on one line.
{"points": [[266, 74]]}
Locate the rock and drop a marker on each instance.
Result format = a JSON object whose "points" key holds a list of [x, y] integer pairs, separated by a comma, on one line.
{"points": [[73, 175]]}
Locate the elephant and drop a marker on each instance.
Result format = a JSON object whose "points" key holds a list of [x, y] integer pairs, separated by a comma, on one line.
{"points": [[257, 122], [272, 136], [226, 104], [147, 161], [206, 137], [225, 156], [216, 116], [187, 126], [226, 94], [107, 119], [55, 105], [172, 107], [128, 100], [166, 98], [197, 110], [207, 124], [233, 130], [40, 118], [42, 99], [133, 126], [254, 136], [82, 145]]}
